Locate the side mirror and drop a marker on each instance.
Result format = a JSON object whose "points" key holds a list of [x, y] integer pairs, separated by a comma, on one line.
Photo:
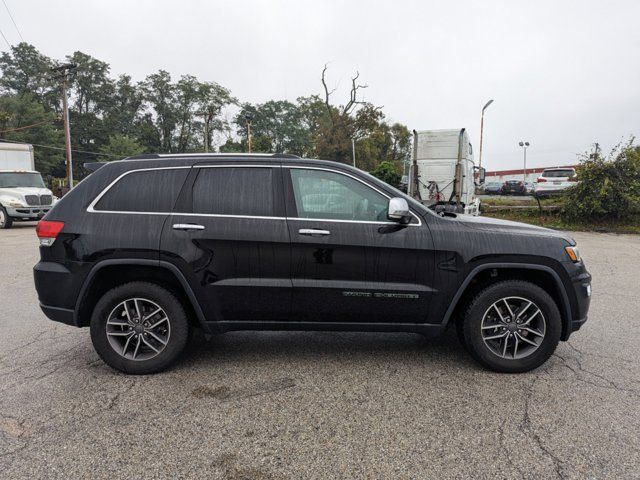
{"points": [[482, 172], [399, 211]]}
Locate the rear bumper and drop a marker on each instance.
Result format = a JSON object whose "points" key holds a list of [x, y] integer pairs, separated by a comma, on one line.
{"points": [[576, 324], [57, 314]]}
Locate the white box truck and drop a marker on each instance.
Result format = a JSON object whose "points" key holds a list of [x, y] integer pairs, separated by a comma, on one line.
{"points": [[23, 195], [443, 174]]}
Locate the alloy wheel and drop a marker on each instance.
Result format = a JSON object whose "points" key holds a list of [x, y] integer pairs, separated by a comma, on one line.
{"points": [[513, 327], [138, 329]]}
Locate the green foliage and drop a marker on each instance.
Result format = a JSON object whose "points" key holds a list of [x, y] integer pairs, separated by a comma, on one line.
{"points": [[159, 114], [121, 146], [387, 172], [607, 187]]}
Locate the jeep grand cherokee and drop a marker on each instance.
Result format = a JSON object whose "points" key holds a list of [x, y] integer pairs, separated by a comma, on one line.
{"points": [[147, 248]]}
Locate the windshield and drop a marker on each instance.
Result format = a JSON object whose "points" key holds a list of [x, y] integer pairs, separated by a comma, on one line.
{"points": [[557, 173], [20, 179]]}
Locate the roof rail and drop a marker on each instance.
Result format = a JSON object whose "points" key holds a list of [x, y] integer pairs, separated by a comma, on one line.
{"points": [[145, 156]]}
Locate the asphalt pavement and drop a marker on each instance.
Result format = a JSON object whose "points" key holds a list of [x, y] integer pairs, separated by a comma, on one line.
{"points": [[322, 405]]}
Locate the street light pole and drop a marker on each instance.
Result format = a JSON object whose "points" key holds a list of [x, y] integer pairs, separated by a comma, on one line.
{"points": [[64, 72], [481, 130], [524, 146]]}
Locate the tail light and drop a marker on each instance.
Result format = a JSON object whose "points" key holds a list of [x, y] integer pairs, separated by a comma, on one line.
{"points": [[541, 180], [47, 231]]}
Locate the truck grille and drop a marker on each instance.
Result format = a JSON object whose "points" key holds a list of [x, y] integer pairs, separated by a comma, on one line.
{"points": [[35, 200], [32, 199]]}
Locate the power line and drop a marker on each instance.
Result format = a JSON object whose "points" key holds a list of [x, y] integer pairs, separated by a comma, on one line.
{"points": [[60, 148], [5, 39], [12, 20], [25, 127]]}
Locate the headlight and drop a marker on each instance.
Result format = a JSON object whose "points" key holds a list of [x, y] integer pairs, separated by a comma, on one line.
{"points": [[15, 203], [574, 253]]}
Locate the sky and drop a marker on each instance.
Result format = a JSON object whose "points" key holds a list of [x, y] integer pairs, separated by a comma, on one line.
{"points": [[563, 74]]}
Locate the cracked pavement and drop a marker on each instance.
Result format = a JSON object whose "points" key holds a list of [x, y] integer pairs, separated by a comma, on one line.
{"points": [[322, 405]]}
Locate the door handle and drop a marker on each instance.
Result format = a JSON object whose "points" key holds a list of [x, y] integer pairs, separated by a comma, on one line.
{"points": [[313, 232], [187, 226]]}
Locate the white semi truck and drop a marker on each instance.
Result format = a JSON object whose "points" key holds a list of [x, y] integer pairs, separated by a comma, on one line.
{"points": [[23, 195], [443, 174]]}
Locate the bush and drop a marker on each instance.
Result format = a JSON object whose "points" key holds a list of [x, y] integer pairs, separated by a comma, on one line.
{"points": [[607, 188], [386, 171]]}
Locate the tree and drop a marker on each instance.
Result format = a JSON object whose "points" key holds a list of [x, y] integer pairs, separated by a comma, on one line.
{"points": [[26, 71], [387, 172], [121, 146]]}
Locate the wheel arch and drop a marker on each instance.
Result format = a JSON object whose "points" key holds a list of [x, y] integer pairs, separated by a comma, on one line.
{"points": [[109, 273], [542, 275]]}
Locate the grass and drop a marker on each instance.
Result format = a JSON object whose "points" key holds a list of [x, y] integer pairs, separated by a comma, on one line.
{"points": [[555, 220]]}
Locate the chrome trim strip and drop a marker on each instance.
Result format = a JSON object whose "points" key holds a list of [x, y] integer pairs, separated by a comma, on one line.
{"points": [[91, 207]]}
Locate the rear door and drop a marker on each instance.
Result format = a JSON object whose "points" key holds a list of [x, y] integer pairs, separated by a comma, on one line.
{"points": [[349, 263], [229, 236]]}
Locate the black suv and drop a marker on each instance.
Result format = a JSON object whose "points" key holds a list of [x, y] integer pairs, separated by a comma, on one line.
{"points": [[147, 248]]}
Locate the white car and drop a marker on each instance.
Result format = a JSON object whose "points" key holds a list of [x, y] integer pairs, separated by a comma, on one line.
{"points": [[555, 180]]}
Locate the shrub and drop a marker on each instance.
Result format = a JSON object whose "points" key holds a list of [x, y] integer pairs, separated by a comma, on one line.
{"points": [[607, 187]]}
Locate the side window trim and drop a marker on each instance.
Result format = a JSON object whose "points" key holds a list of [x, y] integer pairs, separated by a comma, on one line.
{"points": [[291, 206], [91, 207]]}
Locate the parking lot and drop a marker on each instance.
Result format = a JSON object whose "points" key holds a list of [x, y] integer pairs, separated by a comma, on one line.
{"points": [[321, 405]]}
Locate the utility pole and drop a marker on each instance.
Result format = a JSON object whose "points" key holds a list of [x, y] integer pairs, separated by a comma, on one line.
{"points": [[353, 150], [248, 117], [206, 116], [64, 71], [524, 146], [481, 129]]}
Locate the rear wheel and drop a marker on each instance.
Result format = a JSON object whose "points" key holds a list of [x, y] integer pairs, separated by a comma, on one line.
{"points": [[5, 220], [139, 328], [511, 326]]}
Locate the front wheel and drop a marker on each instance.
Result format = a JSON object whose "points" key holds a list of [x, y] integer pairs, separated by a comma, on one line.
{"points": [[5, 220], [511, 326], [139, 328]]}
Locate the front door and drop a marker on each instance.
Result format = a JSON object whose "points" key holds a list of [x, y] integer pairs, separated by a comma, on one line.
{"points": [[228, 235], [349, 262]]}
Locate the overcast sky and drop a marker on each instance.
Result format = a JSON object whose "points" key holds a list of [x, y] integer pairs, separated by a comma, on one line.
{"points": [[563, 74]]}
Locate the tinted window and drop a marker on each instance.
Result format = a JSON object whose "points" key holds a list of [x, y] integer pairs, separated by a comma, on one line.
{"points": [[558, 173], [330, 195], [145, 191], [234, 191]]}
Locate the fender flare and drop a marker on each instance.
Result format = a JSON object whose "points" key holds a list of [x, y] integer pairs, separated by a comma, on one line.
{"points": [[565, 307], [142, 262]]}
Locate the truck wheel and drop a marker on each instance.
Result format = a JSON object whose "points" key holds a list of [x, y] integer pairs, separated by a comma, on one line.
{"points": [[139, 328], [5, 220], [511, 326]]}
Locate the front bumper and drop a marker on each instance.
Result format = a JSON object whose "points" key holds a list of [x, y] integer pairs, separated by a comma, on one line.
{"points": [[581, 286], [28, 213]]}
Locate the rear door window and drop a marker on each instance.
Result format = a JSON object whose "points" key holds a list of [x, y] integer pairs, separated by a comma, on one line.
{"points": [[241, 191], [152, 191]]}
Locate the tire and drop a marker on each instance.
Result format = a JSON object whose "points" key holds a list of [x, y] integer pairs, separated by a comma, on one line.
{"points": [[122, 341], [5, 220], [488, 309]]}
